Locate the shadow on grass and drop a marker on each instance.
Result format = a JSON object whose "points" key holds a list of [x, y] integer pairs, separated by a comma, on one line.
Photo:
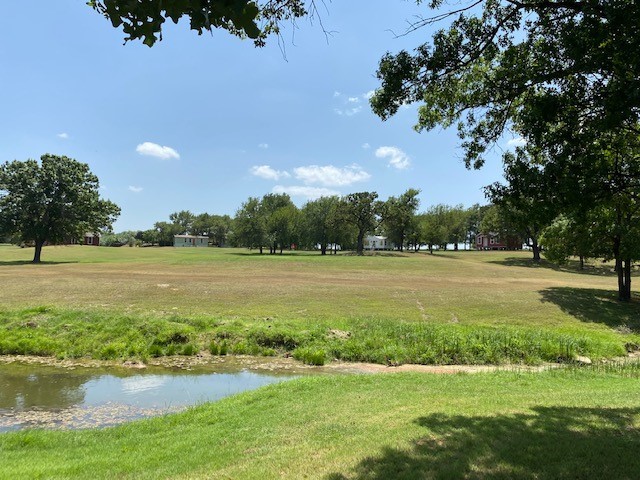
{"points": [[596, 306], [549, 443], [573, 266], [8, 263]]}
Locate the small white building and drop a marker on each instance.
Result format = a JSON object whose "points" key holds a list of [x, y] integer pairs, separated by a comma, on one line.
{"points": [[190, 241], [377, 242]]}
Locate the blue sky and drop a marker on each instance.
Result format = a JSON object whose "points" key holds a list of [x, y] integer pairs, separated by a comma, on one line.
{"points": [[201, 123]]}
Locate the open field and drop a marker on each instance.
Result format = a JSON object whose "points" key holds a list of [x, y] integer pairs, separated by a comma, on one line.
{"points": [[569, 424], [100, 302]]}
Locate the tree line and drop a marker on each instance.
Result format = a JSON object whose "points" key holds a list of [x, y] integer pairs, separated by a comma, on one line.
{"points": [[274, 223]]}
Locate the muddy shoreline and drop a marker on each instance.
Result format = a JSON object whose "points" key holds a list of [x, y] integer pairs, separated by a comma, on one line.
{"points": [[205, 361]]}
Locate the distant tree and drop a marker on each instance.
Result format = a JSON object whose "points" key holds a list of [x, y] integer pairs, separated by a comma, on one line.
{"points": [[528, 198], [119, 239], [150, 236], [433, 226], [250, 228], [279, 215], [202, 225], [414, 236], [397, 216], [183, 221], [567, 237], [165, 232], [51, 201], [360, 210], [456, 225], [320, 224], [475, 213], [220, 229], [243, 18], [496, 222], [282, 227]]}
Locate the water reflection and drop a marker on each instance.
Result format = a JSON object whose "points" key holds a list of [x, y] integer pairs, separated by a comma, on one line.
{"points": [[54, 397], [22, 388]]}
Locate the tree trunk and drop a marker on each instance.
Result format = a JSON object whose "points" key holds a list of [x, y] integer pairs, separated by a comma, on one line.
{"points": [[260, 249], [280, 249], [536, 249], [624, 279], [455, 247], [581, 262], [360, 246], [323, 249], [431, 248], [38, 251], [627, 279]]}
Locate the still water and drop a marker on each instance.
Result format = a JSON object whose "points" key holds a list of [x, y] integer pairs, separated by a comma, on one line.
{"points": [[53, 397]]}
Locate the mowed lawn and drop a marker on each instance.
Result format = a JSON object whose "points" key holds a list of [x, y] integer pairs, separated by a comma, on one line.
{"points": [[305, 289]]}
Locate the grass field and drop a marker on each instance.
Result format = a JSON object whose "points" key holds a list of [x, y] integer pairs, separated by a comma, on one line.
{"points": [[569, 424], [452, 307], [464, 307]]}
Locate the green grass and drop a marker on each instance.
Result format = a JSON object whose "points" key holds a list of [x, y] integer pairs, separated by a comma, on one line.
{"points": [[453, 307], [576, 423]]}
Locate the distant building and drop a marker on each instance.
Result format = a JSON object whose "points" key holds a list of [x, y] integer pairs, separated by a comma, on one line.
{"points": [[88, 238], [190, 241], [92, 239], [492, 241], [377, 242]]}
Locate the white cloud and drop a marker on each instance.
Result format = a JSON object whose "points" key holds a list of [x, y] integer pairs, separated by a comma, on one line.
{"points": [[135, 189], [353, 100], [63, 135], [366, 146], [397, 158], [264, 146], [311, 193], [517, 142], [336, 94], [369, 94], [330, 176], [268, 173], [154, 150], [348, 112]]}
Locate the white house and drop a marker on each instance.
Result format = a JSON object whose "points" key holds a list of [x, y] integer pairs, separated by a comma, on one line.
{"points": [[190, 241], [377, 242]]}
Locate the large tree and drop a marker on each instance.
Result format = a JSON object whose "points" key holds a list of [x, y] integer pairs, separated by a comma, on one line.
{"points": [[560, 72], [51, 201], [143, 20]]}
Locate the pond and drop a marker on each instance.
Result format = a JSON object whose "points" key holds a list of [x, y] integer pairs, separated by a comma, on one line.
{"points": [[55, 397]]}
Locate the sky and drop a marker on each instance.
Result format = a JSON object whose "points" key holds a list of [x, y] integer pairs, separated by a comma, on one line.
{"points": [[202, 123]]}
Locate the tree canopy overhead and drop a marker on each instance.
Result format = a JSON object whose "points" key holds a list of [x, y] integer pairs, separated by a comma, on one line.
{"points": [[559, 71], [255, 19], [53, 201]]}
